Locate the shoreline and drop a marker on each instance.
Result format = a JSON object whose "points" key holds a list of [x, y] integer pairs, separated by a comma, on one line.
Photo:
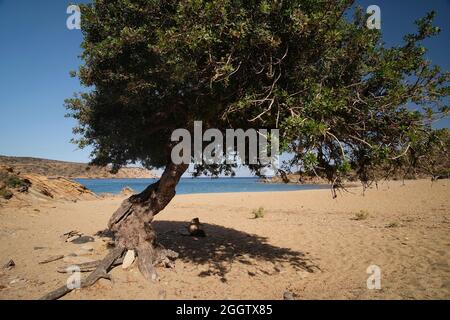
{"points": [[197, 186], [306, 243]]}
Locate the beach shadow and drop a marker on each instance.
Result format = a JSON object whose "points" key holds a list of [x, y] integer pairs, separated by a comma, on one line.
{"points": [[222, 246]]}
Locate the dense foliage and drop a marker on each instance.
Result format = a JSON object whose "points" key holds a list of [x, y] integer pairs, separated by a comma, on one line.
{"points": [[343, 100]]}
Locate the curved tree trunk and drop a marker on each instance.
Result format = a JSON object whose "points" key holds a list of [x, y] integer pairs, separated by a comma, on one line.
{"points": [[131, 223]]}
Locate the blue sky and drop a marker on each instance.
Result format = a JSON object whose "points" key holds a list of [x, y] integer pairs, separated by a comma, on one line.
{"points": [[37, 52]]}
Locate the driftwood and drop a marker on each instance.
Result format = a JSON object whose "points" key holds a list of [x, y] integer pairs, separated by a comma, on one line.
{"points": [[89, 266], [71, 234], [100, 272], [100, 268], [51, 259]]}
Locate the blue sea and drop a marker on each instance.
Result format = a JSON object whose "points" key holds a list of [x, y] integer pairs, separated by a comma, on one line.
{"points": [[197, 185]]}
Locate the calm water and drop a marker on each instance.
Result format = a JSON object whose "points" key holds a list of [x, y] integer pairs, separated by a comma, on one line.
{"points": [[189, 185]]}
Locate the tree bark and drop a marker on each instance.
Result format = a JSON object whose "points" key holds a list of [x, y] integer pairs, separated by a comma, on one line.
{"points": [[131, 223]]}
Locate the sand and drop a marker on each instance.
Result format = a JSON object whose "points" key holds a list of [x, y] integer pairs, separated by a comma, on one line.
{"points": [[307, 243]]}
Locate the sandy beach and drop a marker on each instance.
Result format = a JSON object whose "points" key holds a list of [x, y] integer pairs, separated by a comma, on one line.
{"points": [[307, 243]]}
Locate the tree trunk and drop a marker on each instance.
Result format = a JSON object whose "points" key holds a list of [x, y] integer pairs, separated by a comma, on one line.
{"points": [[131, 223]]}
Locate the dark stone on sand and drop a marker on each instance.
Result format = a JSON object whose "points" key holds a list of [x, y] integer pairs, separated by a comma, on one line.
{"points": [[83, 239]]}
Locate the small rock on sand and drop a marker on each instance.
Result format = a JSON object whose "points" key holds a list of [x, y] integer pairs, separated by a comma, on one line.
{"points": [[127, 191], [287, 295], [9, 265], [17, 280], [279, 269], [82, 240], [128, 259]]}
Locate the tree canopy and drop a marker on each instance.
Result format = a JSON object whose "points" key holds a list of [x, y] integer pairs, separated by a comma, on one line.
{"points": [[342, 99]]}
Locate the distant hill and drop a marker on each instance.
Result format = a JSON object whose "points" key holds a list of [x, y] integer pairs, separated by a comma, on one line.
{"points": [[55, 168]]}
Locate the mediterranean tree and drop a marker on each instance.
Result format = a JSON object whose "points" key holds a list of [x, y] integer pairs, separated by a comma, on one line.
{"points": [[342, 99]]}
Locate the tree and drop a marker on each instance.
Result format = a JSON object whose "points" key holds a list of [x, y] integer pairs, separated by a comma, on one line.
{"points": [[341, 99]]}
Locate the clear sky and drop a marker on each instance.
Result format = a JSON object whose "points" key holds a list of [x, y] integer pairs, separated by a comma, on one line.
{"points": [[37, 51]]}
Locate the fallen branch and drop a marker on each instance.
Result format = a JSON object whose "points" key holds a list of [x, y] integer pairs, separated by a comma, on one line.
{"points": [[100, 272], [88, 266], [51, 259], [147, 260], [71, 234]]}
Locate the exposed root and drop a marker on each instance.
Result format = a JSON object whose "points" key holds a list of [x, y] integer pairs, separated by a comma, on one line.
{"points": [[146, 262], [131, 226], [100, 272], [148, 258], [89, 266], [165, 257]]}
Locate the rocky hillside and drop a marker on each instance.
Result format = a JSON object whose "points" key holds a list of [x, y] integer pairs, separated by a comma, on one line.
{"points": [[28, 188], [54, 168]]}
